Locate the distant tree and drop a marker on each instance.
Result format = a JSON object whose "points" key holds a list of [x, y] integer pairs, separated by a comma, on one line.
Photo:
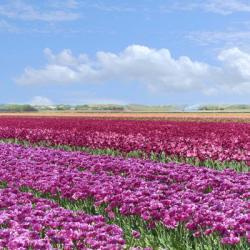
{"points": [[82, 107], [63, 107], [211, 107], [17, 108]]}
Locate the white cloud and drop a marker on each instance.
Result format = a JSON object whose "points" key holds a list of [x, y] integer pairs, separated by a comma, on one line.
{"points": [[40, 101], [227, 38], [236, 61], [236, 68], [5, 26], [69, 4], [227, 7], [112, 8], [156, 69], [223, 7], [20, 10]]}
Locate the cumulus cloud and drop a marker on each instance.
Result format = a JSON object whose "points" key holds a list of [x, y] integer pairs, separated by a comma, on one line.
{"points": [[41, 101], [158, 70], [236, 69], [237, 61]]}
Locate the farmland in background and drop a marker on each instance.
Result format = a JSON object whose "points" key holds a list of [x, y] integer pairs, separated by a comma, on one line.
{"points": [[175, 116]]}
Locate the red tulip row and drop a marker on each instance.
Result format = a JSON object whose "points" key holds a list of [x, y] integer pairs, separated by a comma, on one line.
{"points": [[201, 140]]}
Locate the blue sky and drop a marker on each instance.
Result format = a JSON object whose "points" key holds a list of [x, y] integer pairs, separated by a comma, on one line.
{"points": [[106, 51]]}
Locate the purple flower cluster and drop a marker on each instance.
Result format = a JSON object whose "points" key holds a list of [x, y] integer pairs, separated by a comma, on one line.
{"points": [[205, 200], [27, 222], [200, 140]]}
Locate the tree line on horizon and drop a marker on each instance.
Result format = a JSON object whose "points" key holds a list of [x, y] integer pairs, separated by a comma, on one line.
{"points": [[121, 108]]}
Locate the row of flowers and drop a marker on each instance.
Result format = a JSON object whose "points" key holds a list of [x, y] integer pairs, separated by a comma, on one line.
{"points": [[27, 222], [201, 140], [206, 201]]}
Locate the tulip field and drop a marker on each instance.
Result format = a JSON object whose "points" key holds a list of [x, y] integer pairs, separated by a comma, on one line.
{"points": [[213, 144], [84, 183]]}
